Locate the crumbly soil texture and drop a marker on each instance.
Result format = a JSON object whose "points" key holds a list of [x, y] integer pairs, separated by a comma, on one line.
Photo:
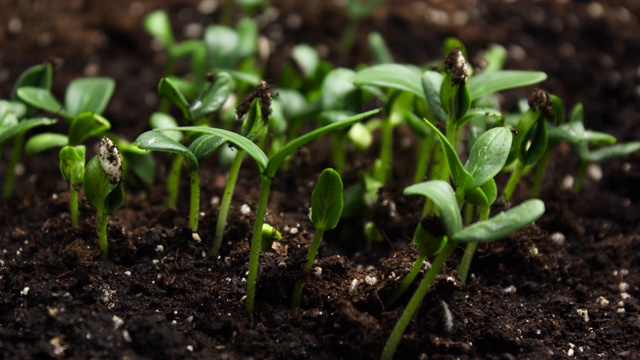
{"points": [[565, 287]]}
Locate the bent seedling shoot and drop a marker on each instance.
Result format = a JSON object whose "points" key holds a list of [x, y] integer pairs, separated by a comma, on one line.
{"points": [[429, 154]]}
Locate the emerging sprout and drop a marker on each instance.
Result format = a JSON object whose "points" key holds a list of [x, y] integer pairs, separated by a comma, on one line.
{"points": [[456, 64], [103, 188], [326, 208]]}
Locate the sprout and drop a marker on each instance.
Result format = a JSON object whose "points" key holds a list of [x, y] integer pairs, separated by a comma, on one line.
{"points": [[326, 208], [103, 188]]}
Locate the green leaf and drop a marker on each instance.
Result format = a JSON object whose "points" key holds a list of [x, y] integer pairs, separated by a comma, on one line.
{"points": [[45, 141], [140, 162], [156, 141], [248, 77], [72, 164], [495, 56], [85, 125], [477, 197], [98, 189], [338, 91], [394, 76], [248, 38], [162, 121], [494, 81], [502, 225], [11, 109], [306, 58], [558, 109], [213, 97], [460, 175], [379, 48], [41, 99], [489, 155], [442, 195], [417, 125], [431, 83], [428, 243], [204, 146], [168, 89], [577, 113], [295, 144], [221, 45], [88, 94], [327, 200], [22, 127], [478, 112], [531, 152], [158, 25], [39, 76], [361, 8], [238, 140], [607, 153], [490, 190]]}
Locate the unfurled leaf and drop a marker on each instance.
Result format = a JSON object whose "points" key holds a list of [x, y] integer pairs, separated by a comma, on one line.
{"points": [[86, 125], [393, 76], [489, 155], [442, 195], [88, 95], [494, 81], [156, 141]]}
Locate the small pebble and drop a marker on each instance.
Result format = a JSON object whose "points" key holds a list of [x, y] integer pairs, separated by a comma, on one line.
{"points": [[370, 280], [557, 238], [245, 209]]}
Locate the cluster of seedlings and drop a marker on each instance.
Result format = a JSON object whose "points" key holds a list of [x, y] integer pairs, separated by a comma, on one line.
{"points": [[464, 140]]}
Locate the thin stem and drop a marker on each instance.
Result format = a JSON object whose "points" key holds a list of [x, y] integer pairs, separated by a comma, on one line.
{"points": [[386, 150], [465, 263], [408, 279], [225, 204], [254, 256], [424, 155], [513, 181], [311, 256], [541, 168], [73, 204], [339, 150], [227, 12], [580, 178], [102, 218], [194, 211], [11, 168], [415, 302], [173, 181], [349, 37]]}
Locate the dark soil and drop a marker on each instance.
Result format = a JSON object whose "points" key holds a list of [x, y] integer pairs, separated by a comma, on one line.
{"points": [[565, 287]]}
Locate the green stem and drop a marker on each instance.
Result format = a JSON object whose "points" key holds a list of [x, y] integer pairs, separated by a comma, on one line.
{"points": [[11, 168], [349, 37], [424, 155], [194, 211], [513, 181], [408, 279], [102, 218], [465, 263], [541, 168], [173, 181], [225, 204], [339, 150], [415, 302], [386, 150], [311, 256], [254, 256], [73, 204], [580, 178], [227, 13]]}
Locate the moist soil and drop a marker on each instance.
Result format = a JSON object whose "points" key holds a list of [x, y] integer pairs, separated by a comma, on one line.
{"points": [[565, 287]]}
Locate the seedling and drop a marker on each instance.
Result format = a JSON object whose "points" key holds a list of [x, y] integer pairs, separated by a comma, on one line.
{"points": [[492, 229], [531, 142], [16, 118], [580, 139], [326, 208], [357, 10], [85, 100], [103, 188], [193, 155], [268, 168], [210, 101]]}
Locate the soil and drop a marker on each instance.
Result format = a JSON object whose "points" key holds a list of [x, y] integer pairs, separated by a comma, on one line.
{"points": [[565, 287]]}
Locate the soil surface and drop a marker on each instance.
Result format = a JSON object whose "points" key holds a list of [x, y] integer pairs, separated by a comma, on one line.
{"points": [[568, 286]]}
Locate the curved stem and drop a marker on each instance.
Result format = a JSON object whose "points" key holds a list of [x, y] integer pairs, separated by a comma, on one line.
{"points": [[425, 150], [102, 218], [194, 211], [254, 256], [415, 302], [465, 263], [408, 279], [225, 204]]}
